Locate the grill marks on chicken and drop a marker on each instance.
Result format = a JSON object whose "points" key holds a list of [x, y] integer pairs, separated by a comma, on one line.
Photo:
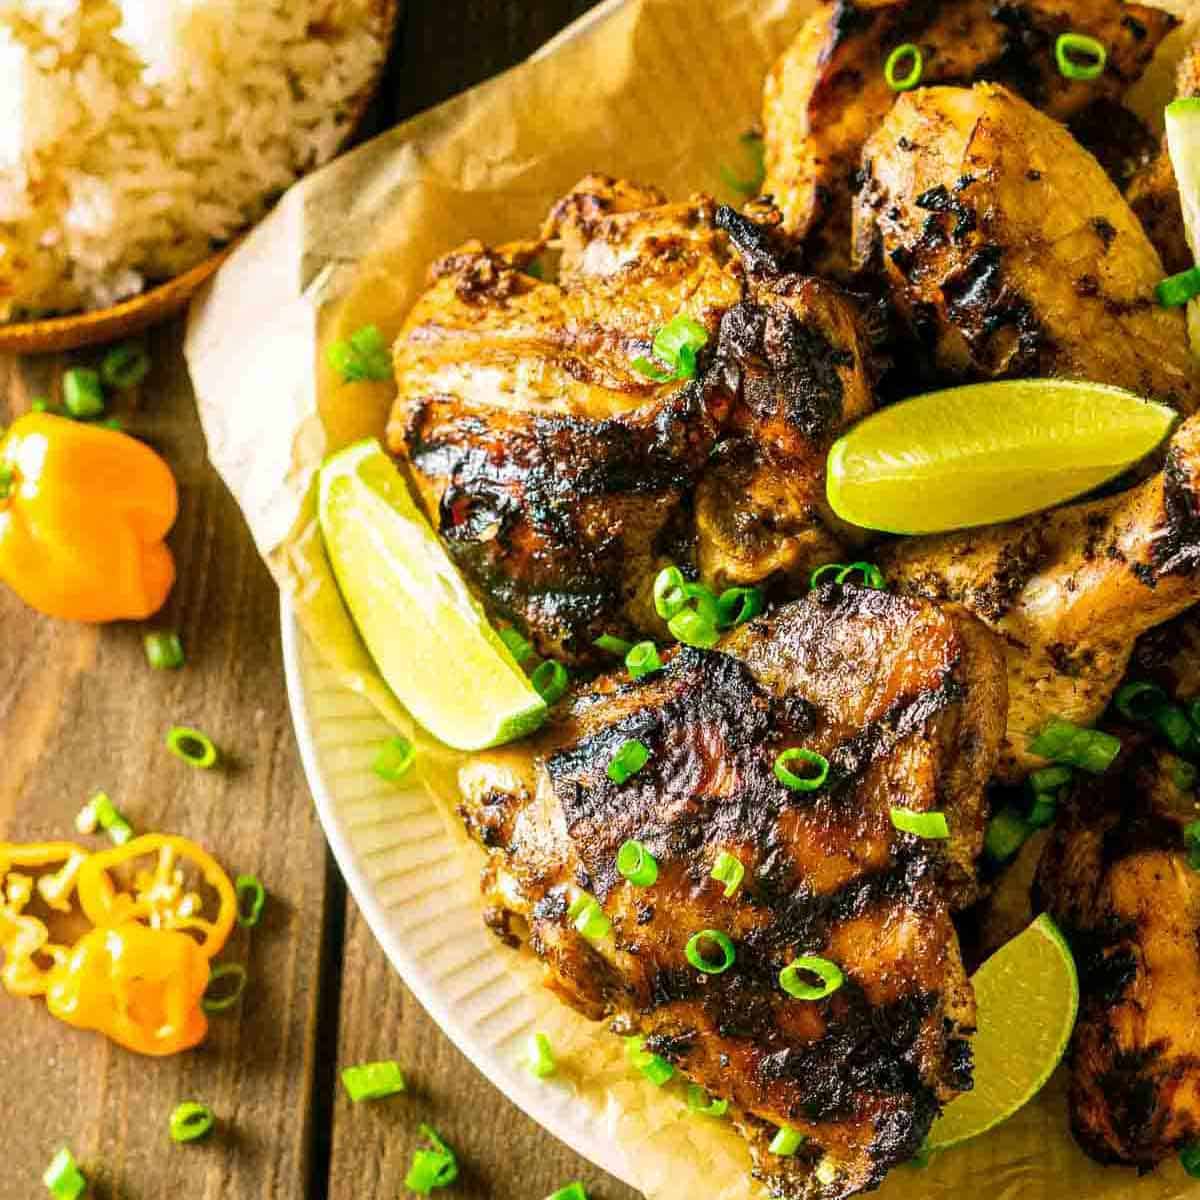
{"points": [[1009, 252], [561, 479], [828, 93], [906, 701]]}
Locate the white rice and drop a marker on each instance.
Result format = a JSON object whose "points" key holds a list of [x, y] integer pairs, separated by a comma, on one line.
{"points": [[138, 135]]}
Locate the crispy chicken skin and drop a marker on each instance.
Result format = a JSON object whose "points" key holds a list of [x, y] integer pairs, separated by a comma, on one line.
{"points": [[828, 94], [560, 478], [1116, 878], [906, 700], [1008, 250], [1071, 590]]}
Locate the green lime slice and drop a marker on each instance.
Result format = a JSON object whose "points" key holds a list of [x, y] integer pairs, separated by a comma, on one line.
{"points": [[428, 635], [1183, 144], [1027, 996], [988, 452]]}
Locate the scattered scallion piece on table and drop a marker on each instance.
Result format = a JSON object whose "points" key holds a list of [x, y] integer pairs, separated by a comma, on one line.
{"points": [[373, 1081], [394, 759], [655, 1068], [631, 756], [589, 918], [786, 1142], [226, 997], [573, 1191], [1080, 56], [643, 660], [107, 817], [1088, 749], [909, 54], [1006, 834], [191, 1121], [637, 864], [697, 953], [251, 897], [792, 980], [701, 1104], [614, 645], [63, 1178], [192, 747], [362, 356], [737, 605], [125, 366], [551, 681], [82, 393], [164, 650], [728, 869], [541, 1061], [675, 348], [818, 763], [930, 825], [434, 1166], [519, 647]]}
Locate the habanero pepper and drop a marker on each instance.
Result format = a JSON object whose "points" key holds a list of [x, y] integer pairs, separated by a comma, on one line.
{"points": [[84, 512]]}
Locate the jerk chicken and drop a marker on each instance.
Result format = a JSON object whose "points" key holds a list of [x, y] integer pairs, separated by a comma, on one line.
{"points": [[906, 701]]}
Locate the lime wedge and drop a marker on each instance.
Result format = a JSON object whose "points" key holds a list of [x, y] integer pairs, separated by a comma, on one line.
{"points": [[1027, 995], [427, 633], [988, 452]]}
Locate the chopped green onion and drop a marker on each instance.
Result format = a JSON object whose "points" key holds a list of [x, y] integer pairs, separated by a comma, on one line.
{"points": [[1184, 775], [109, 818], [520, 648], [541, 1057], [589, 917], [931, 825], [643, 660], [908, 81], [655, 1068], [551, 681], [364, 355], [249, 887], [39, 404], [573, 1191], [535, 269], [1006, 834], [192, 747], [757, 152], [637, 864], [164, 651], [1138, 701], [669, 595], [125, 366], [700, 600], [1191, 841], [792, 980], [728, 869], [802, 783], [1088, 749], [1091, 56], [432, 1167], [1189, 1159], [676, 345], [113, 423], [737, 605], [1177, 290], [872, 575], [82, 393], [394, 759], [694, 951], [690, 628], [1050, 779], [223, 1003], [834, 569], [373, 1081], [1172, 722], [786, 1142], [1194, 713], [1042, 811], [700, 1104], [7, 478], [614, 645], [63, 1178], [630, 758], [190, 1122]]}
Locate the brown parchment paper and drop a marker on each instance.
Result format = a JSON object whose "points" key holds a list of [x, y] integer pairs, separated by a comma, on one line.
{"points": [[653, 90]]}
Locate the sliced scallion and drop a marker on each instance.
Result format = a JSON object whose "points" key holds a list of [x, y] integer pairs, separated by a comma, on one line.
{"points": [[110, 818], [1138, 700], [192, 747], [1042, 811], [1172, 722], [1191, 842], [434, 1166], [518, 646], [643, 660], [614, 645], [63, 1178], [728, 869], [690, 628], [698, 952], [125, 366], [1050, 779], [551, 681], [631, 756], [164, 650], [676, 346], [817, 577], [817, 763], [1080, 56], [872, 576], [737, 605], [929, 825], [573, 1191], [373, 1081], [701, 1104], [251, 897], [909, 54], [669, 595], [1006, 834], [1088, 749], [362, 356], [82, 394], [1189, 1160], [541, 1061], [637, 864], [655, 1068], [394, 759], [589, 917], [191, 1121], [792, 977], [225, 998], [786, 1142]]}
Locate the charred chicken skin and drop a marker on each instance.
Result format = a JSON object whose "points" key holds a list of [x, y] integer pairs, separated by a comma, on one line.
{"points": [[828, 94], [906, 701]]}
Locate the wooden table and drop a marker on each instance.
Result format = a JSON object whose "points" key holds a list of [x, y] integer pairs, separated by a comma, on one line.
{"points": [[81, 710]]}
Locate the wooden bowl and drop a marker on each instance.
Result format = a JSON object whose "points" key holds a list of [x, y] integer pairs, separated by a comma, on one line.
{"points": [[163, 300]]}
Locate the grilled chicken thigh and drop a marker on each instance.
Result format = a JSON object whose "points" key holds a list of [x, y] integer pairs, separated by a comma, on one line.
{"points": [[906, 701], [828, 94], [1116, 878], [1009, 251], [1071, 590], [562, 479]]}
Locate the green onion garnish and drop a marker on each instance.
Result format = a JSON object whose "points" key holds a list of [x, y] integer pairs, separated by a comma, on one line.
{"points": [[676, 345], [82, 393], [432, 1167], [1184, 776], [1177, 290], [1191, 842], [63, 1178], [1194, 713], [39, 404], [630, 758], [786, 1142], [802, 783], [902, 54], [541, 1057], [1088, 749], [728, 869], [191, 1121], [1006, 834], [551, 681], [834, 569], [1042, 811], [589, 917], [223, 1003], [737, 605], [669, 594], [694, 951], [107, 817], [643, 660], [690, 628], [1079, 56], [7, 478], [931, 825], [364, 355], [373, 1081], [573, 1191], [792, 980], [164, 651], [192, 747], [1138, 701], [637, 864], [655, 1069], [125, 366], [757, 152], [251, 896], [113, 423], [872, 576], [614, 645], [394, 759], [1172, 722], [519, 647], [1050, 779], [700, 1104], [1189, 1160]]}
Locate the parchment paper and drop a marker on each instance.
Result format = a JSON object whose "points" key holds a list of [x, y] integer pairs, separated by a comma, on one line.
{"points": [[653, 90]]}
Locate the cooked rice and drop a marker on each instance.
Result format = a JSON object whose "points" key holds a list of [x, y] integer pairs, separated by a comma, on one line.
{"points": [[137, 135]]}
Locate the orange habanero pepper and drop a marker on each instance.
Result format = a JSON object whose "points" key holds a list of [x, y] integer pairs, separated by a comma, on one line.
{"points": [[83, 514]]}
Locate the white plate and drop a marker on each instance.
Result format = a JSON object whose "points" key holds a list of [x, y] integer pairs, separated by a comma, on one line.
{"points": [[406, 875]]}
